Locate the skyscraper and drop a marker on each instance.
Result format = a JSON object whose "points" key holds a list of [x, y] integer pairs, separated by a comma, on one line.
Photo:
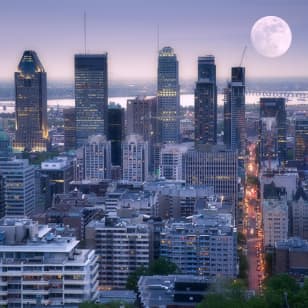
{"points": [[234, 111], [116, 122], [273, 143], [301, 137], [142, 120], [31, 104], [168, 97], [69, 116], [135, 159], [206, 101], [91, 96]]}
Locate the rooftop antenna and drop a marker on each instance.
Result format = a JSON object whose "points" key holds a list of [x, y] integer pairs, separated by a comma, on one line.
{"points": [[243, 55], [157, 38], [85, 31]]}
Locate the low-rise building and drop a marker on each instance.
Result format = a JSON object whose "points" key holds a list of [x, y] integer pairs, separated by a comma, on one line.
{"points": [[38, 267]]}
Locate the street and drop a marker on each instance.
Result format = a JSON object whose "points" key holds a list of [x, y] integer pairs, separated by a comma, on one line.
{"points": [[253, 224]]}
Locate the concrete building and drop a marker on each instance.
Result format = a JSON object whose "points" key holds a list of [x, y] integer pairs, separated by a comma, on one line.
{"points": [[59, 171], [97, 158], [180, 202], [275, 221], [299, 214], [291, 256], [180, 291], [40, 268], [214, 167], [19, 186], [273, 122], [122, 247], [170, 162], [204, 244], [31, 104], [286, 178], [135, 158]]}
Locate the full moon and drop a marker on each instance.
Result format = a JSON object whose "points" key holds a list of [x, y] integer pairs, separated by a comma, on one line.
{"points": [[271, 36]]}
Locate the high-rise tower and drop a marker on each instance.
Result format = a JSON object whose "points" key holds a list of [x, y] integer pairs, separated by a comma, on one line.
{"points": [[168, 99], [234, 111], [31, 104], [206, 102], [91, 96]]}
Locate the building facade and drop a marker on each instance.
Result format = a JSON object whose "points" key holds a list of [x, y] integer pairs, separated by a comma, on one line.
{"points": [[168, 97], [39, 269], [31, 104], [205, 246], [206, 102], [273, 121], [135, 163], [122, 247], [301, 138], [91, 96], [69, 116], [234, 111], [19, 187]]}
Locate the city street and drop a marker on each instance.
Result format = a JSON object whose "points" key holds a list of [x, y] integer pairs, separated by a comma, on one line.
{"points": [[253, 224]]}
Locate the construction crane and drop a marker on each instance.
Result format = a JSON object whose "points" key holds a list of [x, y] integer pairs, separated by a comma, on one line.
{"points": [[243, 55]]}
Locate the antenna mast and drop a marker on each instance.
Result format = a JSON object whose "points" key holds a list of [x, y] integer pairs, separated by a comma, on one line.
{"points": [[85, 31], [243, 55], [157, 38]]}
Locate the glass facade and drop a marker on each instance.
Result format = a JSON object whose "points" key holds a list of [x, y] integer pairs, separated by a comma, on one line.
{"points": [[168, 97], [31, 104], [91, 96], [206, 102]]}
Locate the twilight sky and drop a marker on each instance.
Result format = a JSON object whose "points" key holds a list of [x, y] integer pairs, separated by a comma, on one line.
{"points": [[127, 30]]}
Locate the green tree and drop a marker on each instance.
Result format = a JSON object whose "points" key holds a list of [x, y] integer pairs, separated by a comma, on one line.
{"points": [[160, 266]]}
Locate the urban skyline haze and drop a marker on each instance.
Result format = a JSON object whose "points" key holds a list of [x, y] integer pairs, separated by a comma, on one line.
{"points": [[127, 30]]}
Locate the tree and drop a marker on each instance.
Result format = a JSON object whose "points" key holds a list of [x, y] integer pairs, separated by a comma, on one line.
{"points": [[160, 266]]}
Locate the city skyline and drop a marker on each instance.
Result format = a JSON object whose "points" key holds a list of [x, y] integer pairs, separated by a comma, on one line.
{"points": [[127, 30]]}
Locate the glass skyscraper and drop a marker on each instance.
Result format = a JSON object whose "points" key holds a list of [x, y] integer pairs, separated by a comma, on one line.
{"points": [[91, 96], [234, 111], [206, 102], [168, 99], [31, 104]]}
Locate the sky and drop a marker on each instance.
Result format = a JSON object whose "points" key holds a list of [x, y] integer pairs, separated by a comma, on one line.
{"points": [[127, 30]]}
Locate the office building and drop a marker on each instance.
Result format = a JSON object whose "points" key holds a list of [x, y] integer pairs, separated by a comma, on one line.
{"points": [[91, 96], [141, 119], [204, 245], [31, 104], [19, 187], [206, 102], [135, 162], [40, 268], [122, 247], [97, 158], [59, 171], [273, 144], [69, 117], [234, 111], [214, 167], [275, 220], [168, 97], [301, 138], [170, 162], [291, 256], [299, 214], [116, 128]]}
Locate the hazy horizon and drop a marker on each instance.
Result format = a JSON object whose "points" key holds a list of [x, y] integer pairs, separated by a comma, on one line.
{"points": [[127, 30]]}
